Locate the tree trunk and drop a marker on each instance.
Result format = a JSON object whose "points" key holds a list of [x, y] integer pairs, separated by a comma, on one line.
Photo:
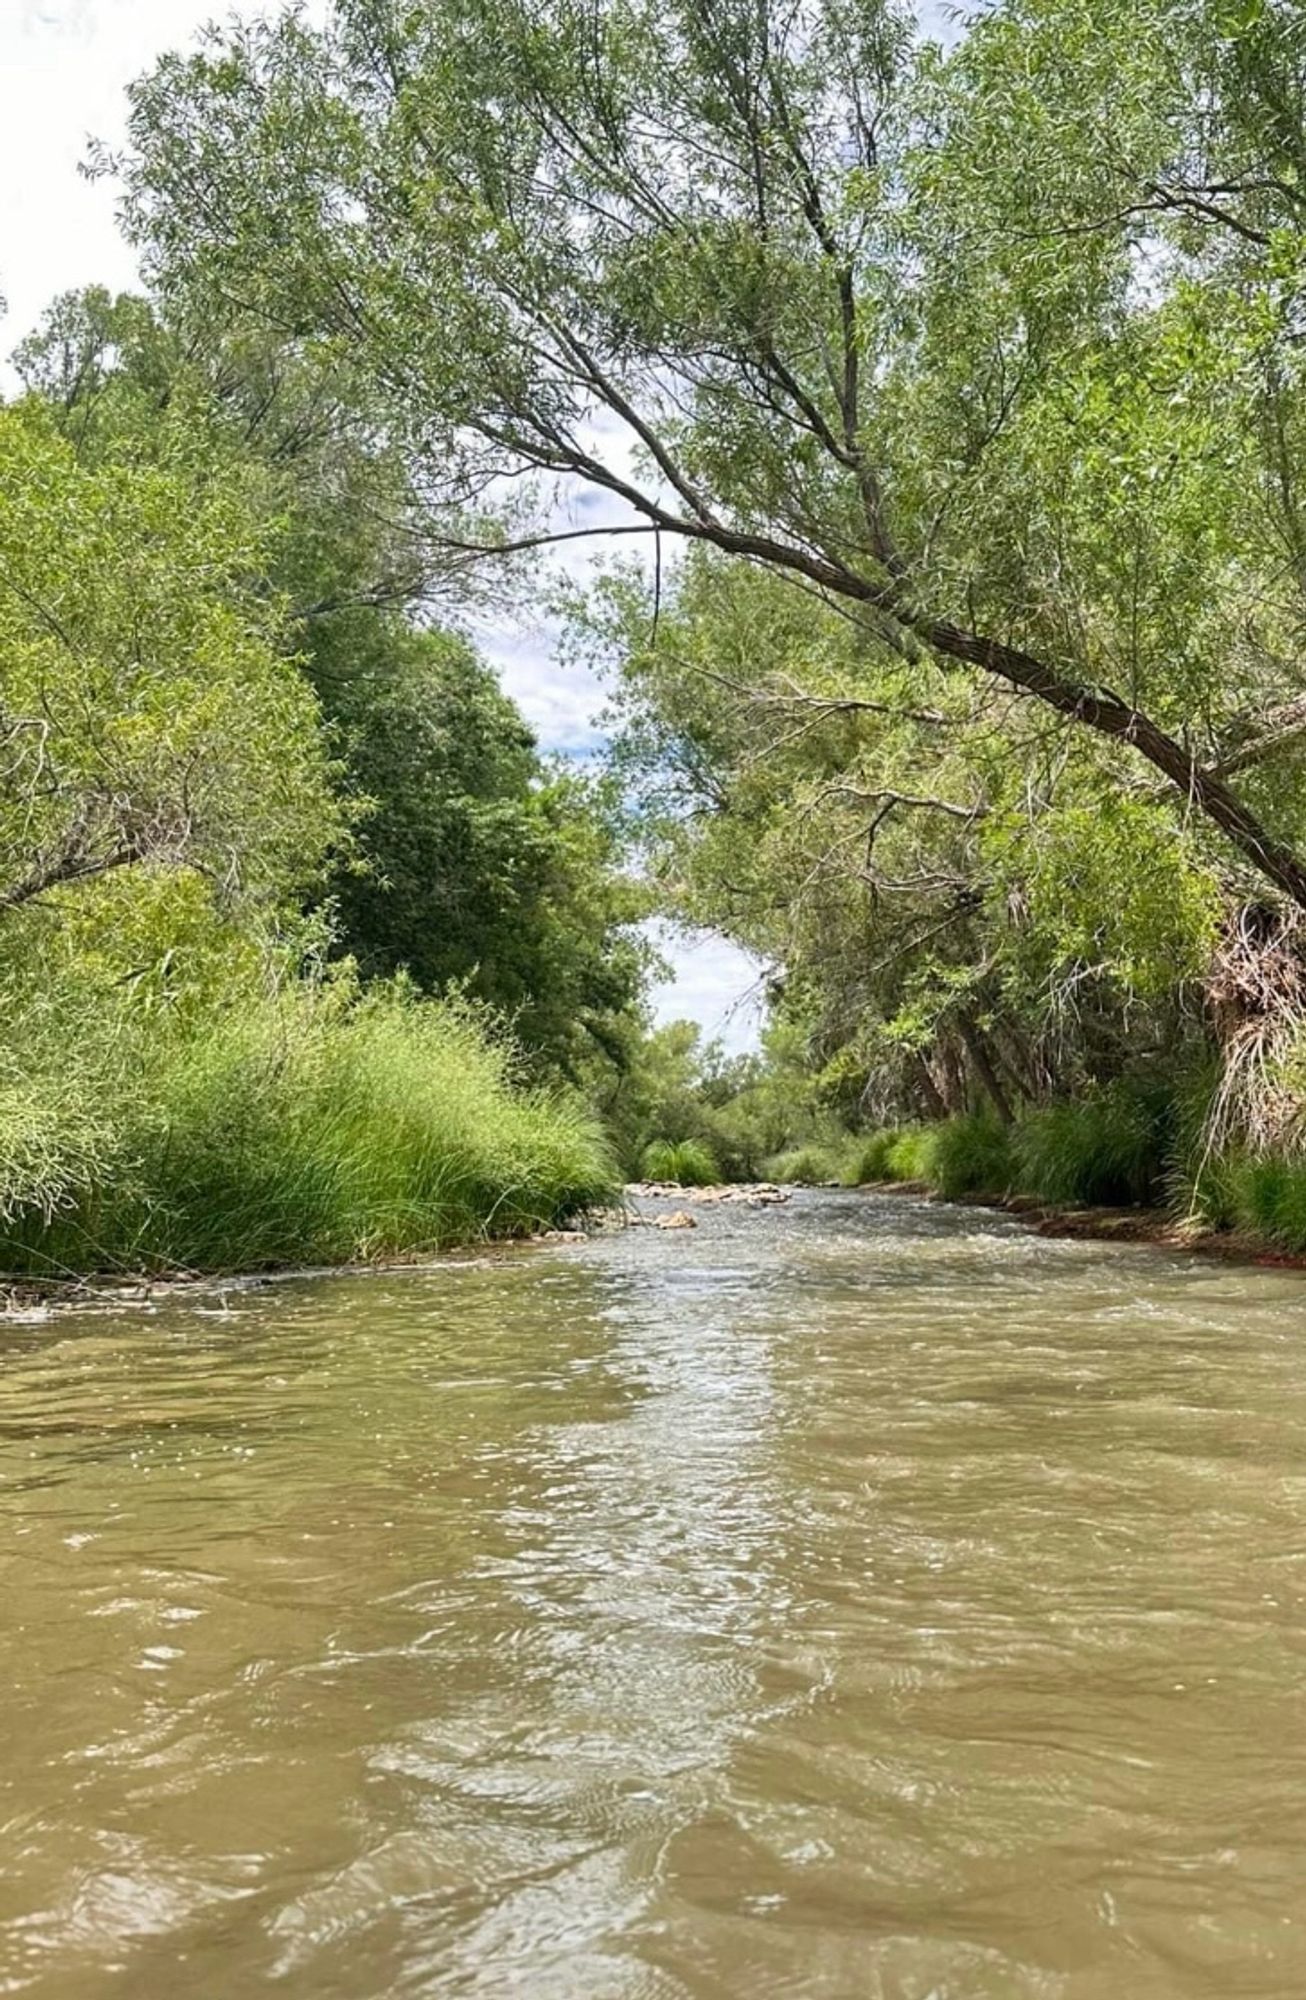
{"points": [[930, 1095], [977, 1049], [1200, 786]]}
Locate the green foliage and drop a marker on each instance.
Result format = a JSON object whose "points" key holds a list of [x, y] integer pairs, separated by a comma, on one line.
{"points": [[482, 868], [911, 1156], [147, 711], [685, 1162], [808, 1166], [1108, 884], [870, 1157], [314, 1127], [1110, 1147], [954, 341], [929, 385], [473, 863], [668, 1086], [1202, 1178], [1270, 1198], [971, 1155]]}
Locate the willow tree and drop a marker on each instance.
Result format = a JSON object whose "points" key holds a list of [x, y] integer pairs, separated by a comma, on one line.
{"points": [[996, 353], [149, 719]]}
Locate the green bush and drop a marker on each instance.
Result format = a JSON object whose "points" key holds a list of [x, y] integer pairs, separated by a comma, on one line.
{"points": [[870, 1157], [806, 1166], [971, 1155], [314, 1128], [1111, 1147], [685, 1162], [911, 1156]]}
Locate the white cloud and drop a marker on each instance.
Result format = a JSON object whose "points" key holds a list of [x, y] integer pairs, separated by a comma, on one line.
{"points": [[561, 703], [64, 66], [713, 983]]}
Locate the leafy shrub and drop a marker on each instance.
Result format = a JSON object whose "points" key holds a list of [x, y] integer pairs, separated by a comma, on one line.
{"points": [[1107, 1148], [971, 1155], [686, 1162]]}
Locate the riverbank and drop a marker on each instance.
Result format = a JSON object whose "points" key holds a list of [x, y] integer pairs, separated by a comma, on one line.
{"points": [[1130, 1162], [321, 1127], [26, 1298], [1156, 1228]]}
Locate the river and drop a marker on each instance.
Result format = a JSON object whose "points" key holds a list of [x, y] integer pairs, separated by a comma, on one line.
{"points": [[863, 1600]]}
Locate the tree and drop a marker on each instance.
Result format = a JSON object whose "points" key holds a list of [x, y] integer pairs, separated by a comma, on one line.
{"points": [[471, 863], [949, 906], [486, 870], [148, 715], [1039, 425]]}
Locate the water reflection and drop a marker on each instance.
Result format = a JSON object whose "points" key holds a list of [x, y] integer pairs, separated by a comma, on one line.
{"points": [[858, 1599]]}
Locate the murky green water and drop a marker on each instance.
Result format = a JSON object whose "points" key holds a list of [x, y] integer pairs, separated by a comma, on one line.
{"points": [[860, 1599]]}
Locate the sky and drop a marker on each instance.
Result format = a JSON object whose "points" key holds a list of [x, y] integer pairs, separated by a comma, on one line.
{"points": [[64, 68]]}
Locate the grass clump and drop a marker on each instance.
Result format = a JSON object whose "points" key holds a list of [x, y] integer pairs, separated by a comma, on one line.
{"points": [[893, 1153], [683, 1162], [870, 1157], [806, 1166], [314, 1127], [911, 1156], [971, 1155], [1269, 1197], [1106, 1149]]}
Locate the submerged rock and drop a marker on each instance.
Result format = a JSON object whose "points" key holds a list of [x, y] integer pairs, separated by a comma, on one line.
{"points": [[679, 1218]]}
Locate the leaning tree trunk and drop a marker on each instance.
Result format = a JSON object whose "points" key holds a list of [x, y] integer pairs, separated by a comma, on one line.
{"points": [[972, 1036], [930, 1095]]}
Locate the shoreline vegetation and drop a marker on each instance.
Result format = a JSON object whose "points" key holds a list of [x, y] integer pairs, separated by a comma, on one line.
{"points": [[1124, 1165], [32, 1294], [321, 1126], [956, 681]]}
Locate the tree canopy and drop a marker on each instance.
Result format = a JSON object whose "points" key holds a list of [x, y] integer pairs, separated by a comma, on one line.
{"points": [[995, 353], [469, 862], [150, 715]]}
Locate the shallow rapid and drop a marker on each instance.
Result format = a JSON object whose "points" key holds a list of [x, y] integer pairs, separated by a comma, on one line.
{"points": [[859, 1600]]}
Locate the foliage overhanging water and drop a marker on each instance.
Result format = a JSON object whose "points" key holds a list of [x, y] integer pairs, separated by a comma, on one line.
{"points": [[859, 1599]]}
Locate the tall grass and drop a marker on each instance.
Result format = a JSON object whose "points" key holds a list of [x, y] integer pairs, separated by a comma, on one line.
{"points": [[1269, 1197], [971, 1155], [684, 1162], [1113, 1147], [911, 1155], [309, 1129], [1130, 1143], [869, 1160]]}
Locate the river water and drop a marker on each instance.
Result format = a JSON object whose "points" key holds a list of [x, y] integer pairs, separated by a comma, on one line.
{"points": [[862, 1600]]}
